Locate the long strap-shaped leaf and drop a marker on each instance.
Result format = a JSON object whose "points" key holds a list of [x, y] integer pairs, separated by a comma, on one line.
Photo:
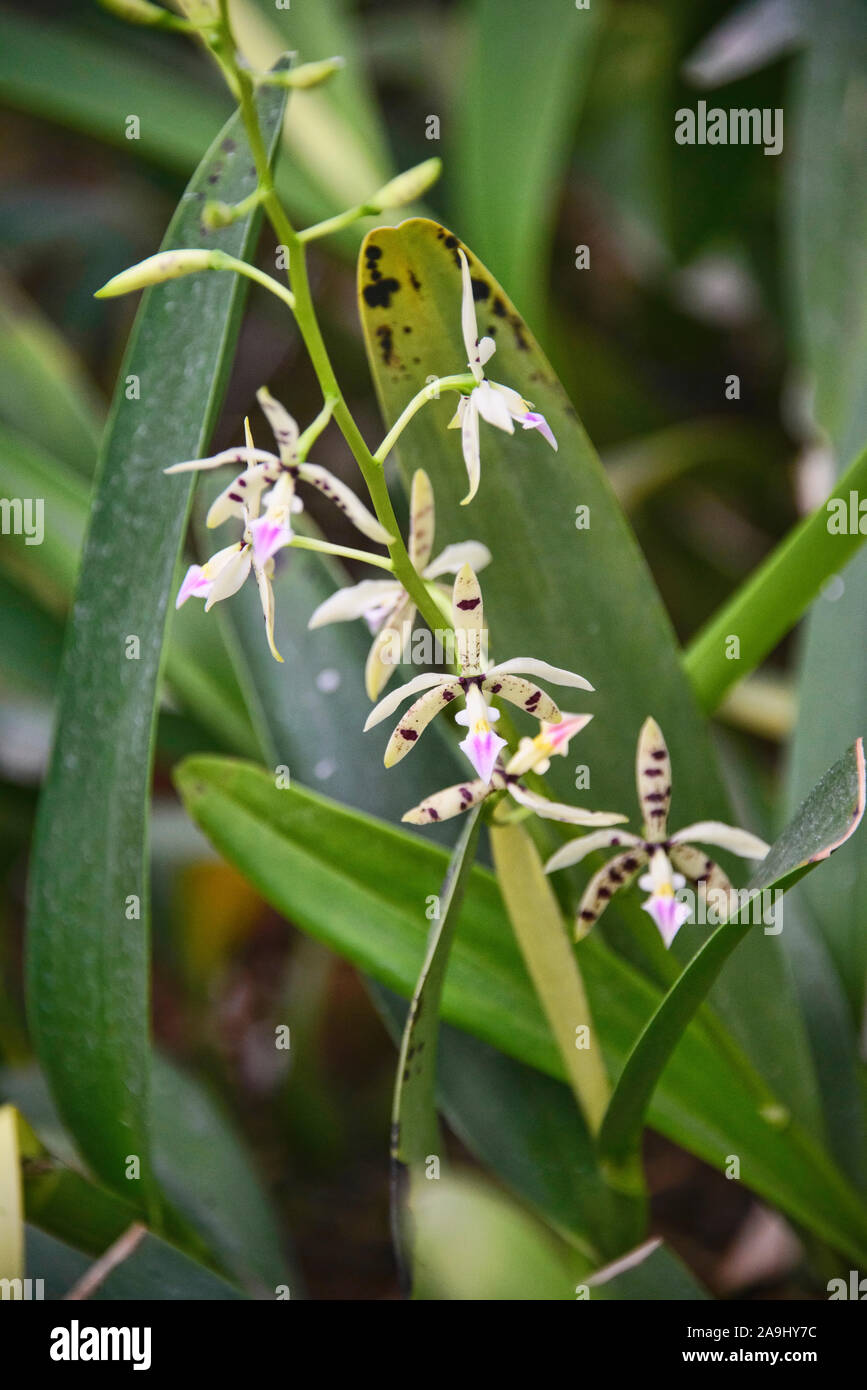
{"points": [[414, 1127], [88, 940], [828, 817]]}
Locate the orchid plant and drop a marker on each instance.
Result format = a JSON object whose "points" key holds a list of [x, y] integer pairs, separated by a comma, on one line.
{"points": [[512, 736]]}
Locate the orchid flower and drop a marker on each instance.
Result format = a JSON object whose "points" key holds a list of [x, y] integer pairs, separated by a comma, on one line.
{"points": [[225, 572], [384, 603], [481, 745], [496, 404], [533, 755], [263, 471], [672, 859]]}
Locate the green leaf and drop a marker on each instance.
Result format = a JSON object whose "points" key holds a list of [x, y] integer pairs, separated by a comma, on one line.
{"points": [[356, 884], [650, 1274], [828, 817], [44, 392], [526, 1128], [776, 595], [550, 595], [524, 79], [414, 1129], [88, 961], [155, 1270], [47, 69], [504, 1253], [11, 1206]]}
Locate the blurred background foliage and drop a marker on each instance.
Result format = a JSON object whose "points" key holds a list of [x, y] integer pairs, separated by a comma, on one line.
{"points": [[553, 137]]}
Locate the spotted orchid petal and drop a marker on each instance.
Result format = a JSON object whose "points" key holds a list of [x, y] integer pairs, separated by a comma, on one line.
{"points": [[454, 557], [346, 500], [653, 779], [283, 427], [730, 837], [528, 666], [415, 720], [524, 694], [244, 493], [241, 454], [695, 865], [422, 520], [616, 874], [574, 815], [451, 801], [382, 659], [391, 702], [468, 620], [356, 601], [532, 420], [576, 850]]}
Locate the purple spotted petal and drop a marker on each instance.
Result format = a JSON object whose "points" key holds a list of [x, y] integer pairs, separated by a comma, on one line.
{"points": [[483, 751], [533, 421], [668, 914], [268, 537], [194, 584]]}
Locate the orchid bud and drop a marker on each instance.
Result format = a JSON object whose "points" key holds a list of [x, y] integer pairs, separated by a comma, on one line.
{"points": [[166, 265], [407, 187]]}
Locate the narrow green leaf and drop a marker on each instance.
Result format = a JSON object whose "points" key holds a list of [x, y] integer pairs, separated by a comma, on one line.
{"points": [[415, 1132], [825, 821], [778, 593], [551, 964], [44, 392], [332, 872], [88, 939], [155, 1270], [524, 79], [11, 1205], [650, 1274]]}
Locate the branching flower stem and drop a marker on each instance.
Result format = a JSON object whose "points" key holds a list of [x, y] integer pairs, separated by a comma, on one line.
{"points": [[308, 326]]}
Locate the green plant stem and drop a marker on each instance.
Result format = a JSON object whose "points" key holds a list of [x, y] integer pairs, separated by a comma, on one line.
{"points": [[773, 599], [221, 261], [308, 326], [327, 548], [463, 381], [336, 223]]}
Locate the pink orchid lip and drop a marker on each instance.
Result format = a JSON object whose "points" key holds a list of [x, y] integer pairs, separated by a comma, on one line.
{"points": [[268, 537], [557, 734], [534, 421], [194, 583], [668, 914], [483, 751]]}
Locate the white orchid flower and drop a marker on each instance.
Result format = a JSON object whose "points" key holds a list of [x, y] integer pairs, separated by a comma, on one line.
{"points": [[497, 405], [533, 755], [481, 745], [266, 473], [225, 572], [672, 859], [384, 603]]}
